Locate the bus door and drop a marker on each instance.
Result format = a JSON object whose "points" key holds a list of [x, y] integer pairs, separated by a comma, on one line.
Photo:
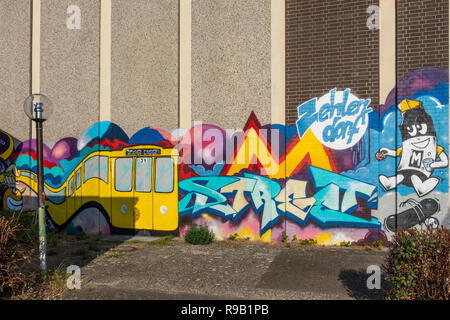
{"points": [[77, 192], [165, 196], [143, 193], [70, 197], [122, 194]]}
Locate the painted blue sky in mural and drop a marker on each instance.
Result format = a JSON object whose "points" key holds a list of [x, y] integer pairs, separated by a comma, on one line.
{"points": [[436, 104]]}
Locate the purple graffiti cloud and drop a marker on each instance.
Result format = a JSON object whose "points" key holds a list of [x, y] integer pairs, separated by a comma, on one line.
{"points": [[30, 146], [65, 148], [423, 79], [204, 146]]}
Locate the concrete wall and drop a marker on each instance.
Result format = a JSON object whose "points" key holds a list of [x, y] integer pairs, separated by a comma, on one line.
{"points": [[144, 66], [230, 61], [230, 64], [15, 57], [70, 67]]}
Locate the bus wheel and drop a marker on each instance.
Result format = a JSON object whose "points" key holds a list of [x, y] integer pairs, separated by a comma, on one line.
{"points": [[89, 221]]}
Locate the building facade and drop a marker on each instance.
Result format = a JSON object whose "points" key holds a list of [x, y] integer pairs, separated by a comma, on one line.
{"points": [[326, 120]]}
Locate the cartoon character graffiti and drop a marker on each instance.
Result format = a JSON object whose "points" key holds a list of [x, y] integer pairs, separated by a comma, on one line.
{"points": [[11, 197], [419, 154]]}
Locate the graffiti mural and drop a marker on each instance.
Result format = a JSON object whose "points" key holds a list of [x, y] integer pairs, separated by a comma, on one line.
{"points": [[99, 183], [346, 171], [418, 153], [267, 198], [409, 140], [11, 196]]}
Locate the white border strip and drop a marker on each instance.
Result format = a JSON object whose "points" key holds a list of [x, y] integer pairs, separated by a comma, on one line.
{"points": [[387, 48], [185, 70], [36, 48], [277, 65], [105, 60]]}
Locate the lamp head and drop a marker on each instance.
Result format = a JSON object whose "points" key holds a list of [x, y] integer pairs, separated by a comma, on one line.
{"points": [[37, 107]]}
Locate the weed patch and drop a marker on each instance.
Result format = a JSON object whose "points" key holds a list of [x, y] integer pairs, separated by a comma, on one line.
{"points": [[345, 244], [199, 235], [162, 241], [111, 255], [307, 242]]}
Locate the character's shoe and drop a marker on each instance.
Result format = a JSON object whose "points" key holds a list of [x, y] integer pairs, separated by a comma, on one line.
{"points": [[387, 183], [418, 213], [425, 187]]}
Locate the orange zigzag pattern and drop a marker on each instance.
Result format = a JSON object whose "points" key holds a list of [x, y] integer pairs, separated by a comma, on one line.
{"points": [[255, 150]]}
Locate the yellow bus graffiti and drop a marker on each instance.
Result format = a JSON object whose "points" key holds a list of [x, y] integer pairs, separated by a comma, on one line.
{"points": [[136, 188]]}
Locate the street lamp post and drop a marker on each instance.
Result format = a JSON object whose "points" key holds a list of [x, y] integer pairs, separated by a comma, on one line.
{"points": [[38, 108]]}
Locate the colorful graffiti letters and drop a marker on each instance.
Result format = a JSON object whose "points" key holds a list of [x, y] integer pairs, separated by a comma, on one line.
{"points": [[206, 194], [293, 201], [210, 195], [329, 210]]}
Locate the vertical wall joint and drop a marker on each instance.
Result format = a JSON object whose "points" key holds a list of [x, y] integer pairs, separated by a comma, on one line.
{"points": [[105, 60], [387, 48], [278, 83], [185, 70]]}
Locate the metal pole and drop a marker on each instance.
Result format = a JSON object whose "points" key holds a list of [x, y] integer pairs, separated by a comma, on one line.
{"points": [[396, 115], [41, 195]]}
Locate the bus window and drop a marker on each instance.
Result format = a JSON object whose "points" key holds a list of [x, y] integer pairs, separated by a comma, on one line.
{"points": [[96, 167], [70, 187], [164, 175], [123, 174], [78, 179], [27, 174], [144, 174], [103, 168]]}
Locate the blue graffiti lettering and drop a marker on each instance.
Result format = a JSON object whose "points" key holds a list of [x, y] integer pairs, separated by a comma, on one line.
{"points": [[204, 191], [307, 115], [333, 203], [262, 197], [337, 124], [329, 211]]}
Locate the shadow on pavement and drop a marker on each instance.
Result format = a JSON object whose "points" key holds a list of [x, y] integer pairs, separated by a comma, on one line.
{"points": [[355, 282], [64, 249]]}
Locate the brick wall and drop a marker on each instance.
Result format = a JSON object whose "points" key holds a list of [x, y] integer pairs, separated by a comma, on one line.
{"points": [[422, 35], [328, 45]]}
